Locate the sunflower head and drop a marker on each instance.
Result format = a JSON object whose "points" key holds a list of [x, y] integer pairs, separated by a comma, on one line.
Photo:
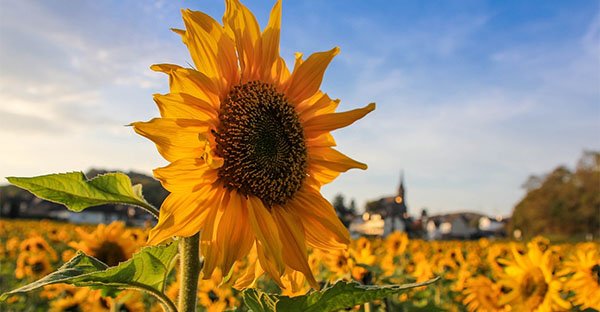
{"points": [[249, 146], [530, 281], [582, 269], [32, 265], [261, 140], [110, 244]]}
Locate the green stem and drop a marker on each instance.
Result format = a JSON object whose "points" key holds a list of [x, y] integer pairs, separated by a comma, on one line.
{"points": [[150, 209], [189, 259]]}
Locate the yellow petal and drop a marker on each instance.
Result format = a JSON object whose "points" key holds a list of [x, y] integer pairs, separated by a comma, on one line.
{"points": [[291, 233], [328, 122], [234, 235], [175, 138], [321, 174], [322, 140], [333, 160], [267, 265], [186, 175], [280, 74], [323, 228], [319, 104], [182, 215], [208, 245], [182, 105], [252, 272], [263, 224], [239, 21], [192, 82], [270, 44], [306, 78], [212, 51]]}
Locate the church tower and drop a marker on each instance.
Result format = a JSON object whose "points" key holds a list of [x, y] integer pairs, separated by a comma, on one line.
{"points": [[401, 187], [401, 196], [396, 211]]}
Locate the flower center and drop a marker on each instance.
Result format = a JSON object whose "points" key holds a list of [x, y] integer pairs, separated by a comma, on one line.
{"points": [[110, 253], [261, 141], [596, 273], [534, 286], [38, 267]]}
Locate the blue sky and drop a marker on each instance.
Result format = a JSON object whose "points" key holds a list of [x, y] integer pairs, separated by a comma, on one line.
{"points": [[472, 96]]}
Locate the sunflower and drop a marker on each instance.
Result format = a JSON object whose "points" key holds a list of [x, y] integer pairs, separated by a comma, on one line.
{"points": [[37, 244], [32, 265], [583, 270], [481, 294], [130, 301], [213, 295], [396, 243], [422, 269], [110, 244], [531, 283], [249, 146], [80, 299]]}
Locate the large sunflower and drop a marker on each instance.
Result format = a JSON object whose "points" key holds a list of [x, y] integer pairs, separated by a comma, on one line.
{"points": [[249, 146], [583, 276], [531, 283], [110, 244]]}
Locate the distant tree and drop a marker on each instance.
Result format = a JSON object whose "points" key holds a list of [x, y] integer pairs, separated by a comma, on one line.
{"points": [[345, 213], [352, 208], [563, 203]]}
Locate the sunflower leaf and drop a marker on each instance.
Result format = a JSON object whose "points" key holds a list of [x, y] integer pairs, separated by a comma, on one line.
{"points": [[341, 295], [147, 270], [77, 193]]}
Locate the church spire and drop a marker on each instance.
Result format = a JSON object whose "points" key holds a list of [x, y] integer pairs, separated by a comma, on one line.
{"points": [[401, 187]]}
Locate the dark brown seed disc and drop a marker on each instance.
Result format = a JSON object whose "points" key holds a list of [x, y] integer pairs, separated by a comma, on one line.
{"points": [[261, 141]]}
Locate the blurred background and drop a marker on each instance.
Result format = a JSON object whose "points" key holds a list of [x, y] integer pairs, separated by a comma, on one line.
{"points": [[483, 107]]}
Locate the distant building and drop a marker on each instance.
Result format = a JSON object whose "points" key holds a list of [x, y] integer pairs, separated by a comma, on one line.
{"points": [[386, 214], [464, 225]]}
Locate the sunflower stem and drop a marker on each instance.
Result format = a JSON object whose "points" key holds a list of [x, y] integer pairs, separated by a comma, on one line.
{"points": [[189, 259]]}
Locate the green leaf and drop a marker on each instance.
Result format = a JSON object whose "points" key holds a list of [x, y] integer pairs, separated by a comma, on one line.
{"points": [[76, 192], [147, 270], [341, 295]]}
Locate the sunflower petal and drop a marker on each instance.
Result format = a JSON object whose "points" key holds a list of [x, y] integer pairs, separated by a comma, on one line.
{"points": [[251, 273], [185, 80], [234, 235], [270, 44], [320, 104], [306, 77], [208, 245], [182, 105], [212, 51], [267, 265], [322, 140], [175, 138], [181, 215], [291, 233], [329, 122], [263, 224], [321, 175], [186, 175], [333, 160], [239, 21], [322, 226]]}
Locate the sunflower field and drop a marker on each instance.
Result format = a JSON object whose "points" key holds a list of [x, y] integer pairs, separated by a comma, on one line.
{"points": [[478, 275]]}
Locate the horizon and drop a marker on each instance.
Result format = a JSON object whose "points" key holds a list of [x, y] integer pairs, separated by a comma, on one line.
{"points": [[472, 98]]}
